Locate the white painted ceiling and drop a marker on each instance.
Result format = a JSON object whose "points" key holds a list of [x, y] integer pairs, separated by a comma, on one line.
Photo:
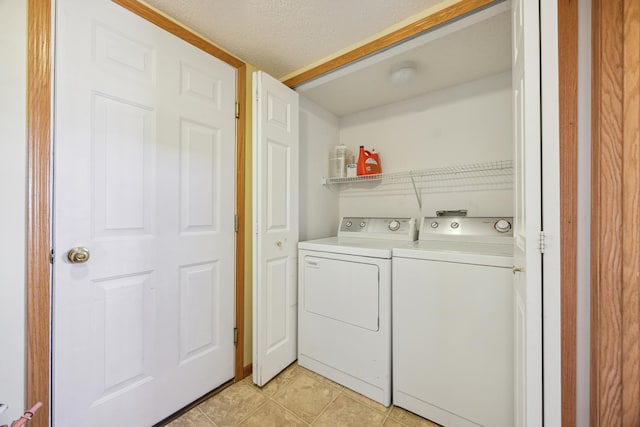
{"points": [[468, 49], [282, 36]]}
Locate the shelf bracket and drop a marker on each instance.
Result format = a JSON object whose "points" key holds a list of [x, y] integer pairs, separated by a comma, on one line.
{"points": [[415, 188]]}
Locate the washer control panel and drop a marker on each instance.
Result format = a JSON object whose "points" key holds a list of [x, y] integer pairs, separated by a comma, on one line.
{"points": [[433, 227], [379, 228]]}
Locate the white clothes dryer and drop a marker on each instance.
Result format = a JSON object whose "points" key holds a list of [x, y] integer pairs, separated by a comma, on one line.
{"points": [[453, 347], [344, 300]]}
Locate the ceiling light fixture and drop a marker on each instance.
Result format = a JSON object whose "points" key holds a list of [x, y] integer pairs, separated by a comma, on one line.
{"points": [[404, 74]]}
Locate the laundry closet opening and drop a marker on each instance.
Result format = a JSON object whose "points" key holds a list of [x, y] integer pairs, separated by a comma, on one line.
{"points": [[444, 134], [454, 116]]}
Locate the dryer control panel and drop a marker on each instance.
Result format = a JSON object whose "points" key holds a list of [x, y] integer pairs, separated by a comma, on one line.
{"points": [[379, 228]]}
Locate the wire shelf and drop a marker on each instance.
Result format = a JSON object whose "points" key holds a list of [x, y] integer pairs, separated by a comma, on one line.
{"points": [[500, 171], [496, 174]]}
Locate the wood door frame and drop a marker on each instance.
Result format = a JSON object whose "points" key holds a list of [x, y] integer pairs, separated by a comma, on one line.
{"points": [[568, 174], [39, 190], [615, 215], [38, 273], [568, 133]]}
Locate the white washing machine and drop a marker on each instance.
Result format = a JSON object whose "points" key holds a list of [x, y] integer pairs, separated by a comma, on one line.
{"points": [[453, 347], [344, 300]]}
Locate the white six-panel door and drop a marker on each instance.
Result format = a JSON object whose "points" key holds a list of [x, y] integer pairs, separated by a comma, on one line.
{"points": [[144, 179], [527, 255], [275, 214]]}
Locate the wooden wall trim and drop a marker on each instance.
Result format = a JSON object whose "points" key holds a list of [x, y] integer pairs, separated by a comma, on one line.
{"points": [[240, 211], [248, 370], [454, 11], [160, 20], [38, 279], [631, 216], [568, 111], [608, 154]]}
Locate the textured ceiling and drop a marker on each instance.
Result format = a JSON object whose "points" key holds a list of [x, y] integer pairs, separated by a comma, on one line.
{"points": [[282, 36]]}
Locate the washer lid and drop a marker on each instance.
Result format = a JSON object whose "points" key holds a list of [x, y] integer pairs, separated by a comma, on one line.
{"points": [[490, 254], [353, 246]]}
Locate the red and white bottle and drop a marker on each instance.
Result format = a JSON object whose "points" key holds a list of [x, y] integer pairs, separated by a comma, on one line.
{"points": [[368, 162]]}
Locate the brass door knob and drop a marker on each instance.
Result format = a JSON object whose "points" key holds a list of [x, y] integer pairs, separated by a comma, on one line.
{"points": [[78, 255]]}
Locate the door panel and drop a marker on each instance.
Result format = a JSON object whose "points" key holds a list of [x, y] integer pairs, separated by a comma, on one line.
{"points": [[278, 173], [144, 171], [122, 190], [199, 303], [199, 177], [276, 299], [275, 148], [528, 214]]}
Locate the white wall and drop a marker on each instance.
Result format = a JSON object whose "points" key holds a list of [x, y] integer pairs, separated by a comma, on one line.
{"points": [[318, 204], [13, 30], [460, 125]]}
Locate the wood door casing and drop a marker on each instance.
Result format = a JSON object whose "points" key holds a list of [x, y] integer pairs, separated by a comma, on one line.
{"points": [[38, 294], [615, 276], [568, 111]]}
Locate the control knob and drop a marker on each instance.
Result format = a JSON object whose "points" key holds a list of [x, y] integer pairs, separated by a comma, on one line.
{"points": [[455, 225], [394, 225], [502, 226], [434, 224]]}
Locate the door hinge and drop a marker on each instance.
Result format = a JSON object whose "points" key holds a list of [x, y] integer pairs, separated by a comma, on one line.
{"points": [[542, 242], [236, 221], [235, 336], [52, 256], [237, 110]]}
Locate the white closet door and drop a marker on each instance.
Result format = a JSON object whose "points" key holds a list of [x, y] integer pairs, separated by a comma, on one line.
{"points": [[527, 256], [144, 180], [275, 204]]}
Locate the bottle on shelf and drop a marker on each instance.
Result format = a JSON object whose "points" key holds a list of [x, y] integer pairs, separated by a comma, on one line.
{"points": [[368, 162], [338, 160]]}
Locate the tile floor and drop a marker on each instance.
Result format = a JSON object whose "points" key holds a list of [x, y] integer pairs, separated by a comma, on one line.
{"points": [[296, 397]]}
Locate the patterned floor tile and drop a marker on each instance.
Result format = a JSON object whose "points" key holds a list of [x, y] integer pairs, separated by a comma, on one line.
{"points": [[365, 400], [233, 405], [306, 397], [390, 422], [410, 419], [346, 412], [284, 378], [272, 415], [193, 418]]}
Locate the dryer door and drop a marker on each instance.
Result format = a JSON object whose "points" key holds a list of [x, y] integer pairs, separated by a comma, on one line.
{"points": [[345, 320], [345, 291]]}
